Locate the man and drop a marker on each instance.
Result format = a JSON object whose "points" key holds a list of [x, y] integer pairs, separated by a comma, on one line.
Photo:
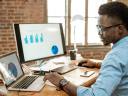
{"points": [[113, 76]]}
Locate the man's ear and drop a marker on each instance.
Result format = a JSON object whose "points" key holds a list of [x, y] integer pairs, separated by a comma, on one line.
{"points": [[121, 29]]}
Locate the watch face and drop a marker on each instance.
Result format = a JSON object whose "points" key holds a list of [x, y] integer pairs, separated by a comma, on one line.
{"points": [[63, 82]]}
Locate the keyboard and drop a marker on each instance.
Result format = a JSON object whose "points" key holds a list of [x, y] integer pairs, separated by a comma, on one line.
{"points": [[65, 69], [23, 84]]}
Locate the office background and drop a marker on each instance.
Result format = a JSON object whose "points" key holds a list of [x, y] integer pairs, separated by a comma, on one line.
{"points": [[33, 11]]}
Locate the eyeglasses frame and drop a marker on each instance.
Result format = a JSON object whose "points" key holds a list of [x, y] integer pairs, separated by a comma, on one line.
{"points": [[102, 29]]}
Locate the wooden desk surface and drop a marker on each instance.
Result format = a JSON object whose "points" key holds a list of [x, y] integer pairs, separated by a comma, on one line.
{"points": [[73, 76]]}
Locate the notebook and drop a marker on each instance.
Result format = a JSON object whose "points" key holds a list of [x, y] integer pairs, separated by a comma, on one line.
{"points": [[11, 64], [65, 69]]}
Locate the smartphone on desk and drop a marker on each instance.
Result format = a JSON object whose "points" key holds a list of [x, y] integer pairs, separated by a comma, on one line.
{"points": [[87, 73]]}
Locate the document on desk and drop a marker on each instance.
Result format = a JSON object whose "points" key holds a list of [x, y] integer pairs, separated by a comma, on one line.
{"points": [[52, 63], [55, 63], [46, 67]]}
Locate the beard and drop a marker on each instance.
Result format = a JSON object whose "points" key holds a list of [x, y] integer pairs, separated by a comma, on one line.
{"points": [[105, 41]]}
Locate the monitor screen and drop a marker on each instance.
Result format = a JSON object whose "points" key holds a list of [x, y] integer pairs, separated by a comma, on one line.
{"points": [[39, 41]]}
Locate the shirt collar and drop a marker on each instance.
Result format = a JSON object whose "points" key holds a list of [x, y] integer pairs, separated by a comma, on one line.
{"points": [[120, 41]]}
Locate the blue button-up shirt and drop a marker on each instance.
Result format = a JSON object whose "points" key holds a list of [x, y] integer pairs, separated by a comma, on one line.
{"points": [[113, 76]]}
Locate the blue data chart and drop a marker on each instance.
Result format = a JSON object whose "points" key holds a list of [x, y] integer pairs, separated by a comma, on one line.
{"points": [[12, 69], [54, 49], [31, 39]]}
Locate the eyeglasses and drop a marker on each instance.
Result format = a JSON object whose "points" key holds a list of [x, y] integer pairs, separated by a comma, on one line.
{"points": [[102, 29]]}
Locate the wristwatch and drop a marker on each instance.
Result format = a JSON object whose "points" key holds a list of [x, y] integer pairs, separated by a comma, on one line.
{"points": [[62, 83]]}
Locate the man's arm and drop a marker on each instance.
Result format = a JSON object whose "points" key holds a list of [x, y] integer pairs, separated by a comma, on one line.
{"points": [[55, 78], [70, 89]]}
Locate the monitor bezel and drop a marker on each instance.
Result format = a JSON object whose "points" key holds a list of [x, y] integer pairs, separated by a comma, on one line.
{"points": [[20, 46]]}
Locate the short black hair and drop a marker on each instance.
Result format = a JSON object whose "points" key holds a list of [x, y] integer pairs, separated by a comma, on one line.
{"points": [[115, 9]]}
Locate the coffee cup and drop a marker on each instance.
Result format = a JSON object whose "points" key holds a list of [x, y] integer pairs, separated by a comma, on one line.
{"points": [[72, 54]]}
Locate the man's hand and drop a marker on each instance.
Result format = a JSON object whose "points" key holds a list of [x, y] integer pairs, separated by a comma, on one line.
{"points": [[54, 78], [89, 63]]}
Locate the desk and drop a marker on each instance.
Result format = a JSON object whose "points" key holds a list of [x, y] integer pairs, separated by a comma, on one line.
{"points": [[73, 76]]}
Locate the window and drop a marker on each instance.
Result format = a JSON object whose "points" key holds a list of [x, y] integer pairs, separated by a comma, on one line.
{"points": [[78, 21], [56, 12], [93, 6], [79, 18]]}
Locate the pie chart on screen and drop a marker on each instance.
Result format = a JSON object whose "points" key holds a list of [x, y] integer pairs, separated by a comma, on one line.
{"points": [[12, 69], [54, 49]]}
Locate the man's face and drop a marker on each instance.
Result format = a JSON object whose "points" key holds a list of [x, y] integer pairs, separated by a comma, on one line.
{"points": [[107, 30]]}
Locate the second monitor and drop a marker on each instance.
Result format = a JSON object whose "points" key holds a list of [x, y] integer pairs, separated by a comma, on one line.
{"points": [[39, 41]]}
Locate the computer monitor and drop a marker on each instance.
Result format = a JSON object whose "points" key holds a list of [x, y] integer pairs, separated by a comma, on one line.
{"points": [[39, 41]]}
